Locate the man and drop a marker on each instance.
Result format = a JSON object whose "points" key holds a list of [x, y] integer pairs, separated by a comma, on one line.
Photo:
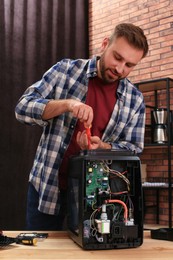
{"points": [[72, 97]]}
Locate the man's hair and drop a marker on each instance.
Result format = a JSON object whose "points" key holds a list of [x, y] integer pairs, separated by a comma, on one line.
{"points": [[133, 34]]}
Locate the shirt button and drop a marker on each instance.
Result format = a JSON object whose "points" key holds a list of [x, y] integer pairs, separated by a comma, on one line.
{"points": [[72, 126]]}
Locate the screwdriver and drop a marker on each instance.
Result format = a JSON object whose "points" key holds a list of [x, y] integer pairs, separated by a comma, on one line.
{"points": [[26, 239], [88, 133]]}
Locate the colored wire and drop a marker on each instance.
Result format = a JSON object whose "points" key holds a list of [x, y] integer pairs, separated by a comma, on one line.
{"points": [[117, 173], [123, 204]]}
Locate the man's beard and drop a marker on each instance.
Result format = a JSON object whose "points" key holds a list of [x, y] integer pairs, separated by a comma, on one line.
{"points": [[103, 70]]}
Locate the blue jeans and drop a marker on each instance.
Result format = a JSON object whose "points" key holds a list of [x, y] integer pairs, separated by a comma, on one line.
{"points": [[36, 220]]}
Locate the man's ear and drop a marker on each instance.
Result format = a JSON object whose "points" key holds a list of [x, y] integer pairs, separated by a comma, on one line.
{"points": [[105, 44]]}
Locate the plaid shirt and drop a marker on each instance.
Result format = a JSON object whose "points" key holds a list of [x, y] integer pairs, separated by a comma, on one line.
{"points": [[69, 79]]}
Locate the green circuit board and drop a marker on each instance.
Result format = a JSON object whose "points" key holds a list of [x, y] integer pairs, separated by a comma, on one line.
{"points": [[97, 180]]}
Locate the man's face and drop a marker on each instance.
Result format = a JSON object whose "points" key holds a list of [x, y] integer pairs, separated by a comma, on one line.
{"points": [[117, 60]]}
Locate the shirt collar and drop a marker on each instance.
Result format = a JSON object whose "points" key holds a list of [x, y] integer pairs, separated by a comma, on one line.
{"points": [[92, 67], [92, 72]]}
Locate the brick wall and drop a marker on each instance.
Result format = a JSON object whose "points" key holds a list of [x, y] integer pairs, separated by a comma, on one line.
{"points": [[155, 17]]}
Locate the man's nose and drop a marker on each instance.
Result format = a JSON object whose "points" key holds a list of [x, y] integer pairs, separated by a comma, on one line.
{"points": [[120, 67]]}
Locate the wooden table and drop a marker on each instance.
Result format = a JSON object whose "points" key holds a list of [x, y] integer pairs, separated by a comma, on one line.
{"points": [[59, 246]]}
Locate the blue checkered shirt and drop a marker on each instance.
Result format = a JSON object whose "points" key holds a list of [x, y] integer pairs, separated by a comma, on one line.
{"points": [[69, 79]]}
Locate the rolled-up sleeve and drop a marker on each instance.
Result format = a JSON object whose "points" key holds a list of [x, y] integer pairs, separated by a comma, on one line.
{"points": [[31, 105], [29, 110]]}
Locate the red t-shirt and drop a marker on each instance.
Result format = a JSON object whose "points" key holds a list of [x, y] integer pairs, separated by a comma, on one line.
{"points": [[102, 98]]}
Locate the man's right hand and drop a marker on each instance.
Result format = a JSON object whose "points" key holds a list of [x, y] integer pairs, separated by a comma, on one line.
{"points": [[82, 111]]}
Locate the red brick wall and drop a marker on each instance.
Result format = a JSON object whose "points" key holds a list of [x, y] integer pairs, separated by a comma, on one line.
{"points": [[155, 17]]}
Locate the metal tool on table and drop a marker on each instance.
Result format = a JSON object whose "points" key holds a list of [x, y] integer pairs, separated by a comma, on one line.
{"points": [[22, 238]]}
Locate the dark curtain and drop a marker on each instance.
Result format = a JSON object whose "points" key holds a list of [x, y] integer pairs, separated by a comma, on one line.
{"points": [[34, 35]]}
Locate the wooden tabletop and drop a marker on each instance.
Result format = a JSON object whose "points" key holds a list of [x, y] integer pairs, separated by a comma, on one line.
{"points": [[59, 246]]}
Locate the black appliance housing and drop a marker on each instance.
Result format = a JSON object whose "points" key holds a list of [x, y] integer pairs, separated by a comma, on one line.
{"points": [[105, 204]]}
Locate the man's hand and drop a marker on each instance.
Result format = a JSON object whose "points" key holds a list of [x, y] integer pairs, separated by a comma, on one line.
{"points": [[82, 111], [95, 142]]}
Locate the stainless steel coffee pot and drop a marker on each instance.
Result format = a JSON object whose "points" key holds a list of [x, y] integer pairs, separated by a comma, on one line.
{"points": [[160, 125], [160, 134], [160, 115]]}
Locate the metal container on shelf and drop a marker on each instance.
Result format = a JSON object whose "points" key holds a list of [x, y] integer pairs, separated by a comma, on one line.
{"points": [[160, 134], [160, 115]]}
